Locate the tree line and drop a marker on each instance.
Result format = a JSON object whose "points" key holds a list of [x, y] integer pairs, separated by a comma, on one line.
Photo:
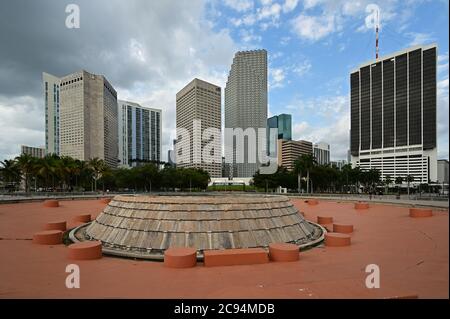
{"points": [[64, 173], [308, 176]]}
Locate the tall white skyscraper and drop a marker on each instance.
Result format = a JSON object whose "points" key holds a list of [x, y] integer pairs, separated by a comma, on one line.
{"points": [[88, 118], [51, 105], [199, 101], [139, 134], [246, 104]]}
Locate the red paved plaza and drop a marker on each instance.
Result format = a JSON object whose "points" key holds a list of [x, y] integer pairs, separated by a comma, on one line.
{"points": [[412, 254]]}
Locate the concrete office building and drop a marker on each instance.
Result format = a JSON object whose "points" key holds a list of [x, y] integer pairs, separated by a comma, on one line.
{"points": [[246, 106], [139, 134], [289, 151], [88, 118], [51, 105], [38, 152], [442, 165], [393, 114], [283, 124], [199, 101], [321, 152], [339, 164]]}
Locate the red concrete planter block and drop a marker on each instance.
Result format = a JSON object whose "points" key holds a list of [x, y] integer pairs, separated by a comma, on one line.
{"points": [[343, 228], [105, 200], [230, 257], [361, 205], [86, 250], [56, 225], [48, 237], [51, 203], [283, 252], [418, 212], [180, 257], [322, 220], [313, 202], [337, 240], [84, 218]]}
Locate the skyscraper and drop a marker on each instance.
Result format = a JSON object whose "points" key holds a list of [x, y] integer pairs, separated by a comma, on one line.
{"points": [[88, 118], [283, 124], [199, 102], [393, 114], [33, 151], [246, 105], [139, 134], [51, 105], [289, 151], [321, 152]]}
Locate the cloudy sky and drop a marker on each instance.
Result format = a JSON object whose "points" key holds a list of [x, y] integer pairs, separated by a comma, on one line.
{"points": [[149, 50]]}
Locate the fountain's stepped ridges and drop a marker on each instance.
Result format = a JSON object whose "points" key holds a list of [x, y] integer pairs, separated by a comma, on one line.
{"points": [[148, 225]]}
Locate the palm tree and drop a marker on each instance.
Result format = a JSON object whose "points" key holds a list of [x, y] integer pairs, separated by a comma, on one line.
{"points": [[398, 181], [98, 166], [409, 179], [308, 161], [26, 164], [10, 172], [388, 182], [298, 168]]}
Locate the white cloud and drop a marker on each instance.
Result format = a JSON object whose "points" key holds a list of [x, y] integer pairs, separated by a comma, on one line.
{"points": [[328, 121], [182, 45], [21, 122], [313, 28], [248, 36], [419, 38], [308, 4], [289, 5], [277, 77], [247, 20], [330, 16], [302, 68], [270, 11], [239, 5]]}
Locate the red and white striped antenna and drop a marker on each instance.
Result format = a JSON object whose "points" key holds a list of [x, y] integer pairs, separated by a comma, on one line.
{"points": [[376, 37]]}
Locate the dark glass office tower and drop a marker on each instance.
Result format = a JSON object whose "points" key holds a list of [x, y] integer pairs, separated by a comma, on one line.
{"points": [[283, 124], [393, 114]]}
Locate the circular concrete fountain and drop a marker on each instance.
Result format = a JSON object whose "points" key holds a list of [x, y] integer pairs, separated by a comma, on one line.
{"points": [[145, 226]]}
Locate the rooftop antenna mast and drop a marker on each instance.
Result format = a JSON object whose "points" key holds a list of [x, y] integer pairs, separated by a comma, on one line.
{"points": [[376, 36]]}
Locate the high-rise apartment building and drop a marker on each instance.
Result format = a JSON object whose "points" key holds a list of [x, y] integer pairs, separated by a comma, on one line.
{"points": [[246, 106], [283, 124], [442, 171], [51, 105], [321, 152], [289, 151], [198, 109], [38, 152], [139, 134], [88, 118], [339, 164], [393, 114]]}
